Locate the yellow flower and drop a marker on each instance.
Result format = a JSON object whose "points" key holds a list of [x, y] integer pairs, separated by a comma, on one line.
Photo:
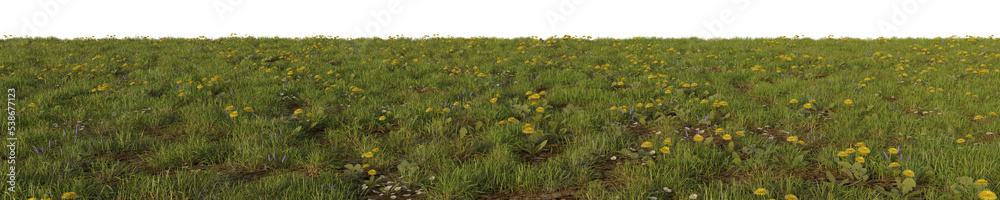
{"points": [[233, 114], [978, 117], [528, 130], [760, 192], [70, 195], [297, 111], [849, 102], [807, 105], [968, 135], [527, 93], [248, 109], [960, 140], [860, 159], [466, 106], [446, 109], [850, 150], [665, 149], [428, 110], [802, 142], [893, 151], [540, 109], [32, 105], [993, 113], [908, 173], [388, 112], [864, 150], [494, 100], [719, 130], [893, 164], [542, 93], [842, 154], [200, 86], [982, 182], [791, 197], [512, 119], [859, 144], [793, 101], [704, 101], [723, 103], [667, 142], [375, 150], [380, 118], [791, 139], [666, 92], [739, 133], [371, 172], [647, 144], [367, 154], [534, 96], [727, 137], [181, 94], [503, 122], [230, 108], [987, 195], [812, 100], [698, 138]]}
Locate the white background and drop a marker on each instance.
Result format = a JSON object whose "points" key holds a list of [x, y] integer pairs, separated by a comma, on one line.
{"points": [[507, 18]]}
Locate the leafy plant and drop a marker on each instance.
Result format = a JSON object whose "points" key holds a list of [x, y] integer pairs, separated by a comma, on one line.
{"points": [[855, 171]]}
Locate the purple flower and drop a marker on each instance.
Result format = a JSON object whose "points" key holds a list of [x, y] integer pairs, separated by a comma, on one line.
{"points": [[283, 158], [265, 167], [886, 155], [269, 158], [36, 149]]}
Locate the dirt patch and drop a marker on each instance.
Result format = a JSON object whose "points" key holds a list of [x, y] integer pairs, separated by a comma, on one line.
{"points": [[566, 193], [745, 87], [162, 134], [421, 90], [890, 99]]}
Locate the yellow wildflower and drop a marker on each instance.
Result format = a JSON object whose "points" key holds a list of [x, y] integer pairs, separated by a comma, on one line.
{"points": [[540, 109], [70, 195], [807, 105], [793, 101], [908, 173], [720, 130], [849, 102], [893, 151], [380, 118], [233, 114], [665, 149], [760, 192], [727, 137], [960, 140], [842, 154], [791, 139], [297, 111], [371, 172], [739, 133], [893, 164], [494, 100], [698, 138], [667, 142], [32, 105], [860, 159], [982, 182], [248, 109], [375, 149], [647, 144], [428, 110], [864, 150], [850, 150], [791, 197], [367, 154], [987, 195]]}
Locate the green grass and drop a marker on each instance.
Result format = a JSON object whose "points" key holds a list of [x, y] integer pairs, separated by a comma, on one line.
{"points": [[137, 138]]}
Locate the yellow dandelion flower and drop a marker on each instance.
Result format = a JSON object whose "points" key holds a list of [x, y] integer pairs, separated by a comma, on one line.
{"points": [[802, 142], [466, 106], [647, 144], [723, 103], [968, 135], [32, 105], [381, 118], [727, 137], [70, 195], [200, 86], [365, 166], [446, 110], [893, 151], [739, 133], [528, 130], [791, 139], [534, 96], [371, 172], [248, 109], [812, 100], [860, 159], [864, 150], [494, 100], [367, 154], [908, 173], [428, 110], [230, 108], [978, 117], [993, 113], [667, 92], [542, 93], [297, 111], [760, 192], [503, 122], [842, 154], [791, 197], [849, 102], [528, 93], [807, 105], [665, 149], [982, 182], [698, 138], [667, 142], [704, 101], [512, 119], [987, 195], [793, 101], [181, 94], [540, 109], [859, 144], [850, 150], [233, 114], [720, 130], [375, 150], [893, 164]]}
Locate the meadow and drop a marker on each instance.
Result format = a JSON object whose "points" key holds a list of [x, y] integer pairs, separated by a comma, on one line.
{"points": [[570, 117]]}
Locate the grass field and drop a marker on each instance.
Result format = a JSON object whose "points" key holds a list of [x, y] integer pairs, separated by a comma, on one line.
{"points": [[493, 118]]}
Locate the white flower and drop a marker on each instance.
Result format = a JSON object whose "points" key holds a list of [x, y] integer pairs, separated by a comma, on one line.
{"points": [[652, 152], [667, 189], [693, 196], [393, 196], [614, 157], [653, 198], [432, 178], [364, 186]]}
